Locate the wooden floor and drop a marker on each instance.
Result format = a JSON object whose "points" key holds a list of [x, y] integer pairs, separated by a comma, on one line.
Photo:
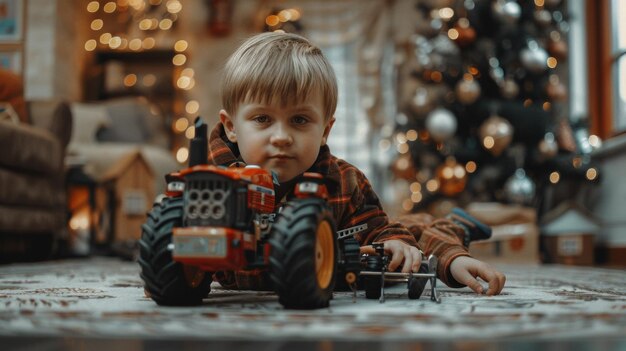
{"points": [[98, 303]]}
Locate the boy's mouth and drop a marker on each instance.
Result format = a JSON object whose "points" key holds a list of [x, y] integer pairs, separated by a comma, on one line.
{"points": [[281, 157]]}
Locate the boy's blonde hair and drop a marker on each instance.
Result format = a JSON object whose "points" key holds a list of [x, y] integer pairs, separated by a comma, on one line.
{"points": [[281, 66]]}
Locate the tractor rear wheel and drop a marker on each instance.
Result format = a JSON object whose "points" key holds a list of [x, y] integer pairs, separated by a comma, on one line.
{"points": [[168, 282], [372, 283], [416, 285], [304, 254]]}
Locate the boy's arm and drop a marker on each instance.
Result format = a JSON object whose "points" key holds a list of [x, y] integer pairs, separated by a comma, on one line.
{"points": [[439, 237], [363, 207]]}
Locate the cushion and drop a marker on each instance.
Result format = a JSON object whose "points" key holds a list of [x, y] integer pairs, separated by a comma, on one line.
{"points": [[128, 122], [26, 148], [88, 120]]}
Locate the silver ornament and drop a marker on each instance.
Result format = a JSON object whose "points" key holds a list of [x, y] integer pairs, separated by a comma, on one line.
{"points": [[534, 57], [582, 140], [422, 102], [543, 17], [506, 11], [441, 124], [519, 188], [548, 146]]}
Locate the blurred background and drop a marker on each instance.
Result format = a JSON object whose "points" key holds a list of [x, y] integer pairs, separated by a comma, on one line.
{"points": [[512, 109]]}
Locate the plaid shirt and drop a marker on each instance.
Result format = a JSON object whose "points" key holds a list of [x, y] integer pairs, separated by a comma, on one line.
{"points": [[353, 202]]}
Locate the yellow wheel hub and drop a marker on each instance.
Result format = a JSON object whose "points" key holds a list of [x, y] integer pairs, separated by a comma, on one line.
{"points": [[324, 255], [193, 275]]}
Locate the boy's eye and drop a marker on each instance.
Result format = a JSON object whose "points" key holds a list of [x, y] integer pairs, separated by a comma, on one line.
{"points": [[261, 119], [299, 120]]}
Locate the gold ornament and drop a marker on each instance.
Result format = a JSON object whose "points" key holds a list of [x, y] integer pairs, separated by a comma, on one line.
{"points": [[558, 49], [496, 133], [466, 34], [467, 91], [403, 167], [556, 90], [509, 88], [452, 177]]}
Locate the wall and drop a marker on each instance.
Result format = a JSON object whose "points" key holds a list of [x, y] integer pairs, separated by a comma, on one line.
{"points": [[55, 59], [608, 203], [53, 49], [208, 53]]}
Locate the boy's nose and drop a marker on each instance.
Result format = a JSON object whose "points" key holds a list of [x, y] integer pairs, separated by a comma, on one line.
{"points": [[281, 137]]}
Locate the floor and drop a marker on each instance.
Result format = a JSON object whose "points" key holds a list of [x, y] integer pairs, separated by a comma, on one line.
{"points": [[98, 303]]}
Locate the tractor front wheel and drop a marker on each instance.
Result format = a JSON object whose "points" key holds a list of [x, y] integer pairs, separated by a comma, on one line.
{"points": [[168, 282], [304, 254]]}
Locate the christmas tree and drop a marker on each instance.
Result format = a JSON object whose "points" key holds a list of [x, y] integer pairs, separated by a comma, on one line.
{"points": [[483, 106]]}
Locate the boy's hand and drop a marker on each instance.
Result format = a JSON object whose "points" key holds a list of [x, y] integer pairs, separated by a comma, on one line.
{"points": [[465, 269], [399, 251]]}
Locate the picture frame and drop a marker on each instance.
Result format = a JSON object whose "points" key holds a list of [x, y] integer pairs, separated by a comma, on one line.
{"points": [[11, 60], [11, 21]]}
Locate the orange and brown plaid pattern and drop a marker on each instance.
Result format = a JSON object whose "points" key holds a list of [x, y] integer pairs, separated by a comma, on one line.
{"points": [[354, 202]]}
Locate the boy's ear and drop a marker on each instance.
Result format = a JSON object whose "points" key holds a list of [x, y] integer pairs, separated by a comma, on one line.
{"points": [[229, 127], [329, 126]]}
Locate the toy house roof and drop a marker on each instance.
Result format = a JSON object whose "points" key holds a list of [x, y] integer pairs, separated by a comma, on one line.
{"points": [[568, 218], [121, 165], [102, 166]]}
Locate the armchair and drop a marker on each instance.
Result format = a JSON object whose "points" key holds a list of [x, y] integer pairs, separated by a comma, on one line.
{"points": [[32, 180]]}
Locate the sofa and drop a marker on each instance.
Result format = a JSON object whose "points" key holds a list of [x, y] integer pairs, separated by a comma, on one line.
{"points": [[33, 211]]}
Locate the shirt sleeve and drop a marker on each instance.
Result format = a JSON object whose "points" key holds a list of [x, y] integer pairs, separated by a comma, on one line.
{"points": [[364, 207], [439, 237]]}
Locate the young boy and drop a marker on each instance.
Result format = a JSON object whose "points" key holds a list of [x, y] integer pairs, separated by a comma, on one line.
{"points": [[279, 95]]}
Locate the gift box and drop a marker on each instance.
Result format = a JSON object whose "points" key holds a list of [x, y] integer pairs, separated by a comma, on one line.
{"points": [[515, 237]]}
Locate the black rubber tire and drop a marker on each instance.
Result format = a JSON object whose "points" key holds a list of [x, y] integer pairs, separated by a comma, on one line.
{"points": [[416, 285], [371, 283], [164, 279], [351, 253], [293, 248]]}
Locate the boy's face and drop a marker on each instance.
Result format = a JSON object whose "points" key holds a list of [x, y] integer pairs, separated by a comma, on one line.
{"points": [[284, 139]]}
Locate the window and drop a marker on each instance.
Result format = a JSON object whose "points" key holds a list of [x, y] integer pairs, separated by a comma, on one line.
{"points": [[606, 62], [349, 137], [618, 56]]}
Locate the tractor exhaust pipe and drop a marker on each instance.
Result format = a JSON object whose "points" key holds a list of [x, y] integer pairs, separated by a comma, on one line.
{"points": [[199, 145]]}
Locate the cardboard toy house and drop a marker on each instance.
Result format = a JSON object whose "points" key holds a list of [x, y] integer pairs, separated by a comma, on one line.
{"points": [[515, 234], [124, 195], [568, 234]]}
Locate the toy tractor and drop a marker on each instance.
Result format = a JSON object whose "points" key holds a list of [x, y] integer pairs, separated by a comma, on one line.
{"points": [[214, 219]]}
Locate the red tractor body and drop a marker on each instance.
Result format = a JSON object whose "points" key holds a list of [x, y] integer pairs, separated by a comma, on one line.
{"points": [[211, 238], [221, 219]]}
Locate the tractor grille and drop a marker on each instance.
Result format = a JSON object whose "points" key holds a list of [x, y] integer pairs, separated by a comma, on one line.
{"points": [[211, 200]]}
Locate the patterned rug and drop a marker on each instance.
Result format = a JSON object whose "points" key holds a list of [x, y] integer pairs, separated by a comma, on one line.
{"points": [[103, 298]]}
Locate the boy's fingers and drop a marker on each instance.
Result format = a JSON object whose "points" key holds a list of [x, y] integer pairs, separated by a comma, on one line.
{"points": [[409, 259], [396, 259], [471, 282], [417, 260], [367, 250], [496, 283]]}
